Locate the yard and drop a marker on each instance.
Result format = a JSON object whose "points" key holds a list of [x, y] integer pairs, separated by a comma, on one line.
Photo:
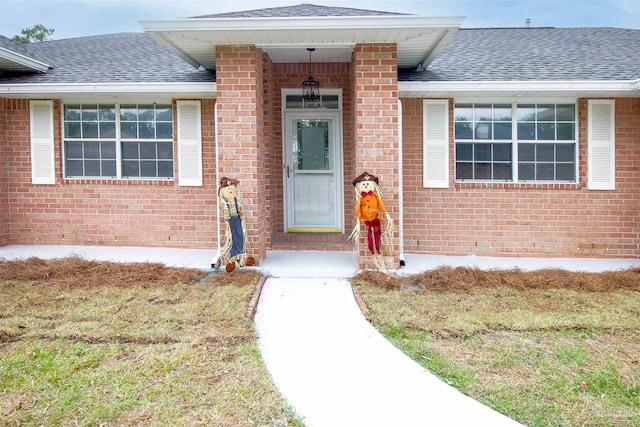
{"points": [[87, 343], [547, 348]]}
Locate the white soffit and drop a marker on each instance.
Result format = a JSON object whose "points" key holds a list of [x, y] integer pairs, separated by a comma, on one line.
{"points": [[286, 39], [13, 61]]}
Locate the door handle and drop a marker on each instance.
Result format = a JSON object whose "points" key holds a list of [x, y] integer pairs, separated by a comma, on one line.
{"points": [[287, 171]]}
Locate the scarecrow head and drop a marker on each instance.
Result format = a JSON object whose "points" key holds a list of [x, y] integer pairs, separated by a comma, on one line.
{"points": [[365, 183], [228, 188]]}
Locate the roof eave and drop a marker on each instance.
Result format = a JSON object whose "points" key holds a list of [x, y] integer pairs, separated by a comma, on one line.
{"points": [[114, 90], [26, 63], [628, 88]]}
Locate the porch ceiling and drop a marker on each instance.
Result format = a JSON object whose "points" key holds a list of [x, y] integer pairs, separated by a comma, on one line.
{"points": [[286, 39]]}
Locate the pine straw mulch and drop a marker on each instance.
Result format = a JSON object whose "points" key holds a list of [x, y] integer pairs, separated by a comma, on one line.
{"points": [[79, 272], [465, 278]]}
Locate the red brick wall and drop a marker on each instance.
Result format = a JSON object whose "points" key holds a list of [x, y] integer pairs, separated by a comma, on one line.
{"points": [[330, 76], [525, 219], [375, 117], [4, 189], [242, 146], [107, 212]]}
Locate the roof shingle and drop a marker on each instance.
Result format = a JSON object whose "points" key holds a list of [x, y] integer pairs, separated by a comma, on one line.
{"points": [[300, 10]]}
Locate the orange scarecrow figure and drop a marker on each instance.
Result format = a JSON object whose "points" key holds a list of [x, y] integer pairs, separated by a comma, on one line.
{"points": [[234, 250], [370, 209]]}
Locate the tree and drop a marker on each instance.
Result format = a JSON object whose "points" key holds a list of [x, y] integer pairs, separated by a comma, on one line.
{"points": [[37, 33]]}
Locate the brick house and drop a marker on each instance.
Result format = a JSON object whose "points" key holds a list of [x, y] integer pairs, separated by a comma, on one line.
{"points": [[512, 141]]}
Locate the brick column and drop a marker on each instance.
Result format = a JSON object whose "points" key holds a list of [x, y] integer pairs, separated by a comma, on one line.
{"points": [[239, 81], [375, 115], [4, 177]]}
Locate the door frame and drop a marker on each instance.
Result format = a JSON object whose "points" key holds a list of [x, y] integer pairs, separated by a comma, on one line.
{"points": [[301, 113]]}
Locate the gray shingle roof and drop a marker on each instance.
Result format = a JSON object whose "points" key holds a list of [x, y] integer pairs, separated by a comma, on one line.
{"points": [[526, 54], [113, 58], [22, 49], [300, 10]]}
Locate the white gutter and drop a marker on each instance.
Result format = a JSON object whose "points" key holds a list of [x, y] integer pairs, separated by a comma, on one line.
{"points": [[93, 88], [603, 86], [400, 188], [23, 60], [302, 23]]}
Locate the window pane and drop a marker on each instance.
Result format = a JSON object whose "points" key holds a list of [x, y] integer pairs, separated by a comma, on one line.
{"points": [[72, 112], [526, 113], [482, 152], [463, 112], [146, 130], [463, 130], [108, 167], [107, 130], [165, 169], [148, 150], [526, 131], [330, 102], [164, 113], [546, 131], [92, 168], [482, 113], [130, 168], [483, 131], [107, 112], [91, 150], [89, 113], [74, 168], [294, 101], [130, 150], [165, 150], [526, 152], [146, 113], [108, 150], [464, 170], [526, 171], [566, 131], [546, 113], [565, 153], [544, 172], [148, 168], [502, 152], [464, 152], [502, 171], [502, 130], [73, 150], [164, 130], [565, 172], [502, 113], [89, 129], [482, 170], [545, 152], [72, 130], [128, 130], [566, 113], [128, 113]]}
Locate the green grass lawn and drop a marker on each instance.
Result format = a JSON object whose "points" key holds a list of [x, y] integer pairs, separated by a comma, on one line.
{"points": [[544, 355], [106, 344]]}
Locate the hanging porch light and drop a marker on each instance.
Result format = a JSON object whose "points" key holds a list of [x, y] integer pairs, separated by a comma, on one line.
{"points": [[311, 87]]}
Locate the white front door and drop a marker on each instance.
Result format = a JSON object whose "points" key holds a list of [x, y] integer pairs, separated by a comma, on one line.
{"points": [[313, 172]]}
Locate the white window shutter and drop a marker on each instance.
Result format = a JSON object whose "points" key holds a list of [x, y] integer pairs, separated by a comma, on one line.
{"points": [[43, 169], [189, 144], [435, 143], [601, 145]]}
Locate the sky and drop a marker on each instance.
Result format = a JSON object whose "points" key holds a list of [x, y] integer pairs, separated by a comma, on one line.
{"points": [[77, 18]]}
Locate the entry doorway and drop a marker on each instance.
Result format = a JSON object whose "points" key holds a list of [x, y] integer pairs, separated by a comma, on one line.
{"points": [[312, 172]]}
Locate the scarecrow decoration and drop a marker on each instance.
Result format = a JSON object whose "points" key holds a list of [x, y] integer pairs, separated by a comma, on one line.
{"points": [[370, 209], [234, 250]]}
